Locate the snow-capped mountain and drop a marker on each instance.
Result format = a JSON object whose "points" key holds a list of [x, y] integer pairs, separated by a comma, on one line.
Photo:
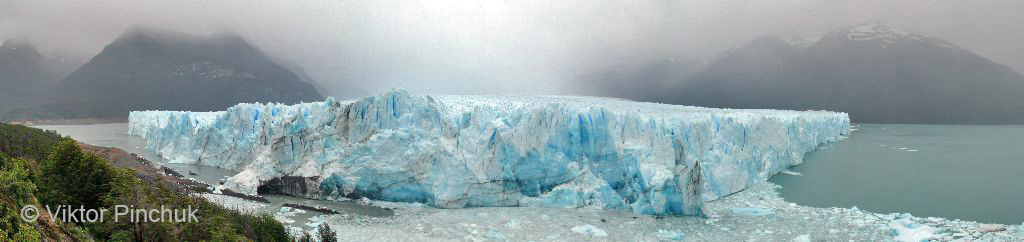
{"points": [[146, 69], [876, 71]]}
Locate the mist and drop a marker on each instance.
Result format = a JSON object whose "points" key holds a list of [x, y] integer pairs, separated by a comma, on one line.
{"points": [[499, 47]]}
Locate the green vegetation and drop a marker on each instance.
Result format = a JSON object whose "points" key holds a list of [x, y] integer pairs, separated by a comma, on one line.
{"points": [[17, 188], [70, 176], [65, 175], [21, 141], [326, 233]]}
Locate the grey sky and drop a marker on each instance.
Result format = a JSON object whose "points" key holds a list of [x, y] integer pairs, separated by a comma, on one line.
{"points": [[446, 46]]}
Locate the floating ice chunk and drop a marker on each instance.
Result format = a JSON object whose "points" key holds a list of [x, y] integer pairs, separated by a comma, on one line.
{"points": [[315, 221], [803, 238], [295, 232], [792, 173], [905, 229], [496, 235], [752, 211], [513, 224], [889, 216], [670, 235], [989, 228], [590, 230], [911, 150]]}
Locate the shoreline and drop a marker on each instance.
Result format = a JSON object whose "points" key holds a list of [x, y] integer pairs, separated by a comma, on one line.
{"points": [[167, 176], [724, 221], [77, 121]]}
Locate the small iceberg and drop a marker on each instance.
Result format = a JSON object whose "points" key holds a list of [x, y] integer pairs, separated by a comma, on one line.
{"points": [[906, 230], [590, 230], [792, 173], [752, 211], [670, 235]]}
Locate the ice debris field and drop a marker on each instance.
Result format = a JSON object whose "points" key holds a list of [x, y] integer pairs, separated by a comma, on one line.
{"points": [[470, 151], [515, 164]]}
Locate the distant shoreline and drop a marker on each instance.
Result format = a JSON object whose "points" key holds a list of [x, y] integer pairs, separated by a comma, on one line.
{"points": [[77, 121]]}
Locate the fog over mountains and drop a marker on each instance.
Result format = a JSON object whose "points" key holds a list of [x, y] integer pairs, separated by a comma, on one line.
{"points": [[878, 72], [153, 69], [24, 71]]}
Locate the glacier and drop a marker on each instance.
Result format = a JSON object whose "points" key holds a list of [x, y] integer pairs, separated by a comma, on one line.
{"points": [[476, 151]]}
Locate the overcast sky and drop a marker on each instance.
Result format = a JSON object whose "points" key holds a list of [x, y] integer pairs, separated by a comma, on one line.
{"points": [[474, 46]]}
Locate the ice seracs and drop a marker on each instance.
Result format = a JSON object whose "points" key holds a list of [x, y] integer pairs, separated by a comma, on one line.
{"points": [[472, 151]]}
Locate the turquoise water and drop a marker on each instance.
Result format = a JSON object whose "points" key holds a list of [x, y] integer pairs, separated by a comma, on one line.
{"points": [[965, 172], [953, 171]]}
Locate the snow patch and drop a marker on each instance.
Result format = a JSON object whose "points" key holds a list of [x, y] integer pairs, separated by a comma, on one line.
{"points": [[801, 42]]}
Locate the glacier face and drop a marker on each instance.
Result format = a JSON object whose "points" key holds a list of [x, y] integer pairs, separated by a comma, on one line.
{"points": [[465, 151]]}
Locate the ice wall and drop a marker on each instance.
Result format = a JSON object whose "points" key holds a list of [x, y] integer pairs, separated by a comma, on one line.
{"points": [[466, 151]]}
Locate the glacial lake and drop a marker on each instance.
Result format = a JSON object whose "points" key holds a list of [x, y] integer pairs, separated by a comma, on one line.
{"points": [[113, 135], [967, 172]]}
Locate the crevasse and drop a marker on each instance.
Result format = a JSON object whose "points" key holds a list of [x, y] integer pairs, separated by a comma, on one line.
{"points": [[467, 151]]}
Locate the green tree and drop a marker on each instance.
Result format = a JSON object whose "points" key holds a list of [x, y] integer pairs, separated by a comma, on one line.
{"points": [[72, 177], [305, 237], [326, 233], [269, 229], [26, 233], [16, 191], [16, 179]]}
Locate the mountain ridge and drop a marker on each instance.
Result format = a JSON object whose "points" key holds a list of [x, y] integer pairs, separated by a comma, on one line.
{"points": [[147, 69], [875, 71], [25, 72]]}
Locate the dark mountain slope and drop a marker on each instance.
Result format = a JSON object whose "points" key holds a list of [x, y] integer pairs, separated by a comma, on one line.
{"points": [[875, 71], [24, 72], [147, 69]]}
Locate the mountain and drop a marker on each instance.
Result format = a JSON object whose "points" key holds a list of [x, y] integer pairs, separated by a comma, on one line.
{"points": [[877, 72], [24, 72], [148, 69], [642, 83]]}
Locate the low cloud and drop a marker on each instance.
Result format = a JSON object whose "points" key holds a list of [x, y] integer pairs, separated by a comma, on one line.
{"points": [[516, 47]]}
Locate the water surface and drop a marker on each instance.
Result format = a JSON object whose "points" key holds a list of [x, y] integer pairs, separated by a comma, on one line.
{"points": [[967, 172]]}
